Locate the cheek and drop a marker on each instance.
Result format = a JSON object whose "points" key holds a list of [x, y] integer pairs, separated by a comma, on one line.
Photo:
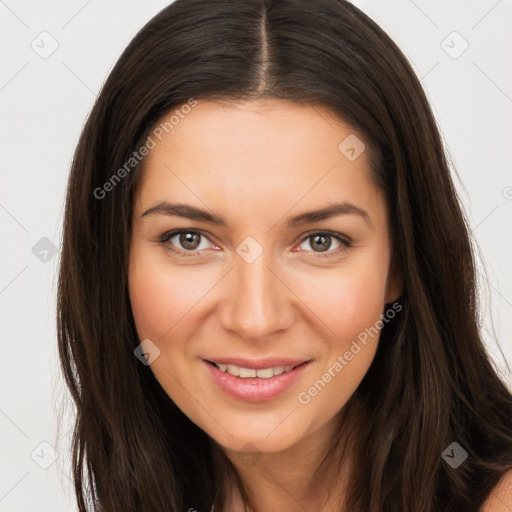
{"points": [[348, 306], [161, 298], [360, 306], [345, 303], [151, 299], [351, 308]]}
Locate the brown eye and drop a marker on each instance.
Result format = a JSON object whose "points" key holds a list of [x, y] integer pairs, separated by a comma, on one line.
{"points": [[185, 241], [190, 240], [324, 242], [320, 243]]}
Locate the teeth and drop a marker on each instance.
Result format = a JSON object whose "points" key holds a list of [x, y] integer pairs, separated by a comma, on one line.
{"points": [[233, 370], [245, 373], [267, 373]]}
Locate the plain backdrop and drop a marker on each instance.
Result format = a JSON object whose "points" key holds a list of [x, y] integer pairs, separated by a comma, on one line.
{"points": [[54, 59]]}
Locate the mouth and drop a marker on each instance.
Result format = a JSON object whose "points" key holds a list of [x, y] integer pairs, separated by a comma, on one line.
{"points": [[249, 384]]}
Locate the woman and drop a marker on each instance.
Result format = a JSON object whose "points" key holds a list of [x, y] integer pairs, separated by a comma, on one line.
{"points": [[267, 289]]}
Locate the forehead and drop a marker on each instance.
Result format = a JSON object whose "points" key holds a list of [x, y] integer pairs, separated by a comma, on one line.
{"points": [[273, 153]]}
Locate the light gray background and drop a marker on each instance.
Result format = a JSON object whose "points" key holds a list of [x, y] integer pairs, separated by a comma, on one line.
{"points": [[44, 102]]}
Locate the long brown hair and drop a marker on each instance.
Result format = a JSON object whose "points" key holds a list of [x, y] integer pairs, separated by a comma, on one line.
{"points": [[431, 382]]}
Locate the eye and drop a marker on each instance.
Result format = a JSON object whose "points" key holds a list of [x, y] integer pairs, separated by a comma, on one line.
{"points": [[322, 242], [190, 242], [183, 241]]}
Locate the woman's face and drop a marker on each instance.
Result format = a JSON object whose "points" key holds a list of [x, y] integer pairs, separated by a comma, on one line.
{"points": [[230, 266]]}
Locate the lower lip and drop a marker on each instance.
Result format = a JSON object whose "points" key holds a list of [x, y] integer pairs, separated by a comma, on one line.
{"points": [[254, 389]]}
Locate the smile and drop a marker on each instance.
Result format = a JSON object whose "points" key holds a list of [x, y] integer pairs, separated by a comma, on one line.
{"points": [[245, 373], [251, 384]]}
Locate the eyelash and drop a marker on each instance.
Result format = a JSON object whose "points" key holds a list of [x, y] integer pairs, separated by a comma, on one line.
{"points": [[345, 242]]}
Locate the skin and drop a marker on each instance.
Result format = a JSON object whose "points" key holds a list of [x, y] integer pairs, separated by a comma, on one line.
{"points": [[256, 164]]}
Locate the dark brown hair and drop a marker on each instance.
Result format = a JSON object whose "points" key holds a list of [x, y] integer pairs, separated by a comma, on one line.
{"points": [[431, 382]]}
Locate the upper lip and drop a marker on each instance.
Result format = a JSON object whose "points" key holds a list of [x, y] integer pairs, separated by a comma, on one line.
{"points": [[258, 364]]}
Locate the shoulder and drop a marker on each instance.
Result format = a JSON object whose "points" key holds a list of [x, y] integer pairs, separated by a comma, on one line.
{"points": [[500, 499]]}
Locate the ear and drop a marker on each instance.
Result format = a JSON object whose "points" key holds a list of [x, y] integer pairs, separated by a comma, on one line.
{"points": [[394, 284]]}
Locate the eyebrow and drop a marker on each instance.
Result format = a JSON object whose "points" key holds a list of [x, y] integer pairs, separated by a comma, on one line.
{"points": [[194, 213], [186, 211], [332, 210]]}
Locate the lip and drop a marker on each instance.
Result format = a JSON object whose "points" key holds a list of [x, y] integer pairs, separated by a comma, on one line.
{"points": [[254, 389]]}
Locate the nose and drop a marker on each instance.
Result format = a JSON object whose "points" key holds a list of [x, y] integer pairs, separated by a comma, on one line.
{"points": [[257, 304]]}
